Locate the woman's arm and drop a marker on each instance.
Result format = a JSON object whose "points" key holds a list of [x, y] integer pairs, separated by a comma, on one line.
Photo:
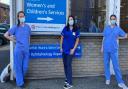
{"points": [[75, 46], [29, 40], [76, 43], [102, 46], [126, 36], [9, 37], [61, 42]]}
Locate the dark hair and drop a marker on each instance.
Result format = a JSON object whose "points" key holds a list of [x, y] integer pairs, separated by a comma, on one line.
{"points": [[113, 16], [74, 25], [18, 24]]}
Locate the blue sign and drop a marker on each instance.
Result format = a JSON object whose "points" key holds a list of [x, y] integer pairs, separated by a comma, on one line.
{"points": [[45, 15], [49, 51]]}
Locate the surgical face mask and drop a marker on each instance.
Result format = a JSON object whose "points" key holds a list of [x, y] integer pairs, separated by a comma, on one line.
{"points": [[22, 20], [113, 22], [71, 22]]}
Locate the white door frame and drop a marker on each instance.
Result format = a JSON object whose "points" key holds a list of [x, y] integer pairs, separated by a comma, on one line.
{"points": [[15, 6]]}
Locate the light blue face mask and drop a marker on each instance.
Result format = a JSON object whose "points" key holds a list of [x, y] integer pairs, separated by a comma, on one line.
{"points": [[22, 20], [113, 22], [71, 22]]}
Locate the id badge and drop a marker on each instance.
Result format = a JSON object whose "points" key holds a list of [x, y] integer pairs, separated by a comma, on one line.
{"points": [[74, 33]]}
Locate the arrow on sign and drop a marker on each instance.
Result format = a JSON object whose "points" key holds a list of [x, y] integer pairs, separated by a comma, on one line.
{"points": [[47, 18]]}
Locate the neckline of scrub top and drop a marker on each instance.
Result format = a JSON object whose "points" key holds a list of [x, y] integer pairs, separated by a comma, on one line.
{"points": [[22, 26], [112, 27], [71, 30]]}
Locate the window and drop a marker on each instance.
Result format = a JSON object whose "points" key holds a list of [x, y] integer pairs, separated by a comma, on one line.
{"points": [[124, 15], [90, 15]]}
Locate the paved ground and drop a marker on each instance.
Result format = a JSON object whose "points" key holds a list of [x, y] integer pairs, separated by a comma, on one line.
{"points": [[79, 83]]}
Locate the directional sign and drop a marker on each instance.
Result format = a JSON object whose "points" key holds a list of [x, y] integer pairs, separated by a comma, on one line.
{"points": [[45, 15]]}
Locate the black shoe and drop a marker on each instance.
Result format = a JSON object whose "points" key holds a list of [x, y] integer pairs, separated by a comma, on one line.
{"points": [[66, 82], [67, 86]]}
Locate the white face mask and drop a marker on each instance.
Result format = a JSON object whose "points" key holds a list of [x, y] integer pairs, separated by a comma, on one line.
{"points": [[113, 22], [22, 20], [71, 22]]}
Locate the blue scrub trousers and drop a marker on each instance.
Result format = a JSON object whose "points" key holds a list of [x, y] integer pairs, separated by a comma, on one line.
{"points": [[114, 57], [21, 60], [67, 61]]}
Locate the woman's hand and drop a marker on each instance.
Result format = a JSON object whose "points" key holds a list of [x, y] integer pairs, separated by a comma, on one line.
{"points": [[72, 51], [12, 38], [61, 50]]}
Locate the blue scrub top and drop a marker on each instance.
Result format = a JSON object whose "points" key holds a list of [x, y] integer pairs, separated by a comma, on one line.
{"points": [[69, 39], [22, 35], [110, 42]]}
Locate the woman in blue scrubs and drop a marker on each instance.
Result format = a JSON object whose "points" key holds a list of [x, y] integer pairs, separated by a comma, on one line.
{"points": [[69, 41], [110, 48], [20, 34]]}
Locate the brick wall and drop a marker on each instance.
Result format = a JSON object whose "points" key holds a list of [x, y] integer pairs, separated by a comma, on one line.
{"points": [[90, 64]]}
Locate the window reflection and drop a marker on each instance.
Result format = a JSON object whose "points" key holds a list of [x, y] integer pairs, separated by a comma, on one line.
{"points": [[90, 14]]}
